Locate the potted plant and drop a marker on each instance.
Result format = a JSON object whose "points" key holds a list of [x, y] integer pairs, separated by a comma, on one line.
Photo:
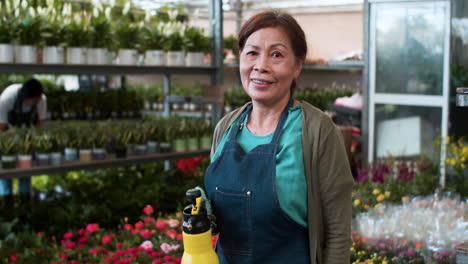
{"points": [[180, 134], [194, 133], [85, 143], [28, 35], [196, 45], [24, 148], [154, 41], [71, 142], [206, 134], [8, 148], [100, 37], [99, 142], [57, 142], [122, 136], [53, 34], [42, 144], [76, 36], [167, 134], [231, 43], [6, 34], [174, 48], [154, 136], [128, 35], [139, 139]]}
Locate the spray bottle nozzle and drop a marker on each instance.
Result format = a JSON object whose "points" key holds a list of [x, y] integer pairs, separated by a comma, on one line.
{"points": [[195, 196]]}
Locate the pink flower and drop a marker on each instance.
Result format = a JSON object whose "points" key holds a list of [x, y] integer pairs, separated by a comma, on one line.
{"points": [[167, 258], [14, 257], [68, 235], [161, 224], [73, 262], [119, 245], [147, 244], [178, 260], [139, 225], [156, 254], [145, 233], [171, 233], [173, 223], [128, 226], [70, 245], [91, 228], [166, 248], [93, 251], [148, 210], [63, 256], [179, 237], [106, 239], [81, 232], [157, 261], [82, 240]]}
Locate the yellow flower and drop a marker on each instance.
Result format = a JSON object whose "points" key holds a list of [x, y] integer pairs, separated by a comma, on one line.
{"points": [[380, 198], [387, 194], [357, 202], [377, 206], [375, 191], [366, 206], [384, 262]]}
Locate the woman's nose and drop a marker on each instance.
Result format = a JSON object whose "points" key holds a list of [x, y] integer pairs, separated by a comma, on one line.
{"points": [[261, 64]]}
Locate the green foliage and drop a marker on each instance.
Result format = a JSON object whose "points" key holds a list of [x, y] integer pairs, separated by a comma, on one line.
{"points": [[8, 143], [231, 43], [76, 33], [42, 141], [235, 97], [153, 38], [320, 98], [175, 42], [196, 41], [7, 30], [28, 30], [53, 33], [128, 35], [100, 32]]}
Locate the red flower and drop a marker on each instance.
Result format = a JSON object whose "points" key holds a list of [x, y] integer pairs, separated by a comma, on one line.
{"points": [[171, 233], [148, 210], [73, 262], [82, 240], [178, 260], [119, 245], [161, 224], [14, 257], [188, 165], [63, 256], [156, 254], [70, 245], [145, 233], [39, 234], [167, 258], [128, 226], [179, 237], [139, 225], [91, 228], [93, 251], [40, 252], [68, 235], [157, 261], [81, 232], [106, 239]]}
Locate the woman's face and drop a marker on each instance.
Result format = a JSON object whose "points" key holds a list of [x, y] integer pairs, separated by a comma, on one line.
{"points": [[268, 66]]}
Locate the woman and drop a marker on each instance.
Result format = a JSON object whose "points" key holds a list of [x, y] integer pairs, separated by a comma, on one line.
{"points": [[279, 180]]}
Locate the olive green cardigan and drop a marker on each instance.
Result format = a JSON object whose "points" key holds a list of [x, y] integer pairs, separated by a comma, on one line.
{"points": [[329, 184]]}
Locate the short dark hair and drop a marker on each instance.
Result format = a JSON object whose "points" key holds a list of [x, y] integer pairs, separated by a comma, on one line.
{"points": [[273, 19], [32, 88]]}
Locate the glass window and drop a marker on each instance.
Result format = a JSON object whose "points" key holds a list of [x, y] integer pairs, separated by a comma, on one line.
{"points": [[410, 48]]}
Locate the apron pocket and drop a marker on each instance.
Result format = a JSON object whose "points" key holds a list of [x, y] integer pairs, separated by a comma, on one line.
{"points": [[232, 209]]}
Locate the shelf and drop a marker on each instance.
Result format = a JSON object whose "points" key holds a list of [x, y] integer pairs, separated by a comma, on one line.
{"points": [[110, 162], [207, 113], [100, 69], [331, 66]]}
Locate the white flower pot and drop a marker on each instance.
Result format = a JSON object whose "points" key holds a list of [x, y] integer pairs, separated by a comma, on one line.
{"points": [[76, 55], [194, 59], [155, 57], [175, 58], [53, 55], [25, 54], [6, 53], [97, 56], [128, 56]]}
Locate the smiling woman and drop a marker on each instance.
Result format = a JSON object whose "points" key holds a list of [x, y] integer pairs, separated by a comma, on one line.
{"points": [[279, 179]]}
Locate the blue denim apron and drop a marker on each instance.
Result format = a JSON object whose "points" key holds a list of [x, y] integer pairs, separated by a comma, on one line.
{"points": [[253, 228]]}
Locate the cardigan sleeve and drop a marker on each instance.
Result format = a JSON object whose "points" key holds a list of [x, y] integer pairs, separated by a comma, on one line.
{"points": [[336, 184]]}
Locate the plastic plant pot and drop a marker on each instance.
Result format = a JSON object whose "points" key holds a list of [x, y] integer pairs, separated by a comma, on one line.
{"points": [[165, 147], [71, 154], [85, 155], [205, 142], [120, 152], [140, 150], [24, 161], [43, 159], [180, 145], [152, 147], [8, 162], [98, 154], [193, 144], [56, 158]]}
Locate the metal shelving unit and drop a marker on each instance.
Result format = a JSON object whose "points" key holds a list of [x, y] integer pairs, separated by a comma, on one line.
{"points": [[110, 162], [331, 66]]}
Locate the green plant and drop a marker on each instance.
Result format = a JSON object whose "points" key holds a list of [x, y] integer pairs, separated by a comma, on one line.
{"points": [[235, 97], [122, 135], [320, 98], [196, 41], [128, 35], [76, 33], [100, 32], [28, 29], [25, 141], [53, 32], [42, 142], [231, 43], [153, 38], [6, 30], [175, 42], [8, 143]]}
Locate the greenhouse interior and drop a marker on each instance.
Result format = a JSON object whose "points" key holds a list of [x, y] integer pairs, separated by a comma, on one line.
{"points": [[116, 116]]}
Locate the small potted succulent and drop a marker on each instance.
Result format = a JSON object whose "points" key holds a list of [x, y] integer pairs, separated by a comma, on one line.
{"points": [[71, 138], [196, 45], [140, 139], [24, 148], [154, 135], [99, 143], [42, 144], [85, 143], [8, 149], [154, 41]]}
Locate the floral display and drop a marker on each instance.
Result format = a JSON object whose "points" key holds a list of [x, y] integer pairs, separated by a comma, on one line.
{"points": [[150, 240]]}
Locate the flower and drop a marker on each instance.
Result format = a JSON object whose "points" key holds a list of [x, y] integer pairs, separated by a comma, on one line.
{"points": [[380, 198], [145, 233], [147, 244], [68, 235], [128, 226], [166, 248], [148, 210], [375, 191], [161, 224], [357, 202], [91, 228], [139, 225], [106, 239], [173, 223], [14, 257]]}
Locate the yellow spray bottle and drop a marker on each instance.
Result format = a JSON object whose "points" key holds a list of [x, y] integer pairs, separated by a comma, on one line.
{"points": [[198, 247]]}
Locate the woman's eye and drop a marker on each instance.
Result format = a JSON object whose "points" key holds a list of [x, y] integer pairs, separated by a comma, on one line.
{"points": [[276, 55], [252, 52]]}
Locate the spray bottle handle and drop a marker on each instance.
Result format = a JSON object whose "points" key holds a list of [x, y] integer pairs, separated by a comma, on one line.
{"points": [[195, 196]]}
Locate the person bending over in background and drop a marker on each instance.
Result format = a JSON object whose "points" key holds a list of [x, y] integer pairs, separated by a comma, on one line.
{"points": [[279, 179], [22, 105]]}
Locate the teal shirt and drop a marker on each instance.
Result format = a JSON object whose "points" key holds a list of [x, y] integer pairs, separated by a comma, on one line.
{"points": [[291, 186]]}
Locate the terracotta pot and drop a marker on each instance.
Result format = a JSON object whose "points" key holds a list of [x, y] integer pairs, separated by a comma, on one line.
{"points": [[24, 161]]}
